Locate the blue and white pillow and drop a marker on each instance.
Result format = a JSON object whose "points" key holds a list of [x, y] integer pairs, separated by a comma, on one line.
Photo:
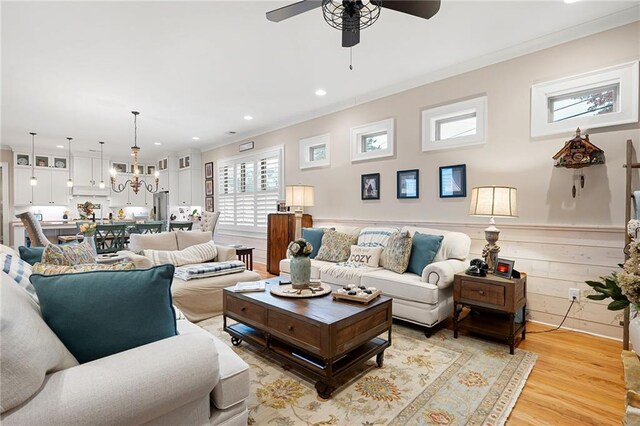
{"points": [[19, 270], [375, 236]]}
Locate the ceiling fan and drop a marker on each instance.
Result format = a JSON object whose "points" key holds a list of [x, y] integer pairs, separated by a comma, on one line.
{"points": [[351, 16]]}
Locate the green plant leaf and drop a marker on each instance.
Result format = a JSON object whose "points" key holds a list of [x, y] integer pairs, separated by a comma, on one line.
{"points": [[597, 296], [617, 305]]}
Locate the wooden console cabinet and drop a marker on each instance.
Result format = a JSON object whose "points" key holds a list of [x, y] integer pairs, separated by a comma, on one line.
{"points": [[281, 230]]}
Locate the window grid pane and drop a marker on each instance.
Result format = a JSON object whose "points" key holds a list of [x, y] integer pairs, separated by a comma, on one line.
{"points": [[374, 142], [455, 127], [598, 101]]}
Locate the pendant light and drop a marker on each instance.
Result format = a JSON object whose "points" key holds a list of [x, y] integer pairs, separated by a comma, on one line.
{"points": [[101, 185], [69, 181], [34, 180]]}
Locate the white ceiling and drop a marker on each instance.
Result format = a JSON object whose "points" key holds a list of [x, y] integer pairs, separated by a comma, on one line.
{"points": [[196, 68]]}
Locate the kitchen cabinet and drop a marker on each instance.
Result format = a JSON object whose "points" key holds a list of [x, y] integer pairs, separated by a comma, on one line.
{"points": [[42, 161], [51, 189], [163, 180], [128, 198], [184, 188], [87, 173]]}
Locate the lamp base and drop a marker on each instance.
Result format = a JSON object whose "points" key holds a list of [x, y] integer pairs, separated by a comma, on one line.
{"points": [[298, 215], [491, 249]]}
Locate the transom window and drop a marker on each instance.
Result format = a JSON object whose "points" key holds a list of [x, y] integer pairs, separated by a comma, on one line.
{"points": [[318, 152], [375, 142], [455, 125], [249, 188], [598, 101]]}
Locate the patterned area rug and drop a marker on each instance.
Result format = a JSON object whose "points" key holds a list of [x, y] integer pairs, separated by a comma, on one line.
{"points": [[436, 381]]}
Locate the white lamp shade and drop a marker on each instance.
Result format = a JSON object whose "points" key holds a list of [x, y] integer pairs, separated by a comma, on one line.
{"points": [[493, 201], [299, 196]]}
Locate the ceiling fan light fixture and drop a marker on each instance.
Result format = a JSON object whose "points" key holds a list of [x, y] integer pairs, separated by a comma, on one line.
{"points": [[350, 15]]}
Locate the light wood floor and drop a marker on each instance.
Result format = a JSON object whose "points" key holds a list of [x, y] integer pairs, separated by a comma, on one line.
{"points": [[577, 379]]}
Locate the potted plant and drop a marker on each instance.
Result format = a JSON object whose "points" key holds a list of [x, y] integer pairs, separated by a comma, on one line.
{"points": [[299, 251]]}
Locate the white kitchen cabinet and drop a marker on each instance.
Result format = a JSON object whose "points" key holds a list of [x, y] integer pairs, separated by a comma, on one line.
{"points": [[87, 173], [120, 199], [82, 171], [184, 187], [136, 199], [21, 187], [51, 189], [163, 180]]}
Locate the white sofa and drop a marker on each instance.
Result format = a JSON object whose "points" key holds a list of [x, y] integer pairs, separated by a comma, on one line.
{"points": [[425, 299], [198, 299], [192, 378]]}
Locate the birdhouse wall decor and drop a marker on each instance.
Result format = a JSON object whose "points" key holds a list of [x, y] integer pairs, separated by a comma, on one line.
{"points": [[576, 154]]}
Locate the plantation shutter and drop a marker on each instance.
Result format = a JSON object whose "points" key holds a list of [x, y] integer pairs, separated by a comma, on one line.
{"points": [[249, 189]]}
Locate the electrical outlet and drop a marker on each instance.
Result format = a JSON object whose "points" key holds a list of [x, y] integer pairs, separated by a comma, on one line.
{"points": [[574, 293]]}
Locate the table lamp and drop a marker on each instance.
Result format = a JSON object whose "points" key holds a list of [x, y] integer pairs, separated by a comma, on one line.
{"points": [[493, 201], [298, 197]]}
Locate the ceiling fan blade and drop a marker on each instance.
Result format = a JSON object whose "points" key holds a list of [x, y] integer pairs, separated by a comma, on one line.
{"points": [[292, 10], [420, 8], [350, 38]]}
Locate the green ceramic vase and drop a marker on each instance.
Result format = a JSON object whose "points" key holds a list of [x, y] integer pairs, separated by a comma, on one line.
{"points": [[300, 271]]}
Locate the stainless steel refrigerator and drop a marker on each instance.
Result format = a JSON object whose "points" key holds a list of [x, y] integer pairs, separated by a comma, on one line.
{"points": [[161, 206]]}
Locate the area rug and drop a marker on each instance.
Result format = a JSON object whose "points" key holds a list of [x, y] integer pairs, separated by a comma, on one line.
{"points": [[436, 381]]}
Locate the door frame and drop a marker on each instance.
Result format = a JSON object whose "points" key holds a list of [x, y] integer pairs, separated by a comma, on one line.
{"points": [[5, 202]]}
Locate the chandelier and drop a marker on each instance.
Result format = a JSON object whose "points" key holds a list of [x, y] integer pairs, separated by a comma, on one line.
{"points": [[135, 183]]}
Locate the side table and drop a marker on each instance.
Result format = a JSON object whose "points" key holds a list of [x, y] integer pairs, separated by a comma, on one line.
{"points": [[492, 302], [245, 254]]}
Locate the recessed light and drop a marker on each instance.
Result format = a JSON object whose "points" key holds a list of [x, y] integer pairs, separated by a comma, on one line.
{"points": [[59, 146], [196, 138], [157, 143], [248, 117], [321, 92]]}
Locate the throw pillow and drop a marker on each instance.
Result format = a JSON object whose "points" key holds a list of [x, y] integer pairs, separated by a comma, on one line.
{"points": [[369, 256], [187, 239], [395, 256], [336, 246], [313, 236], [18, 270], [199, 253], [375, 237], [47, 269], [31, 255], [423, 250], [29, 349], [73, 254], [100, 313], [8, 250]]}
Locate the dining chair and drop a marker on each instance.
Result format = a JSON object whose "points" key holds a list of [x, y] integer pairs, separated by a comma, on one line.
{"points": [[149, 227], [209, 221], [34, 230], [182, 226], [110, 238]]}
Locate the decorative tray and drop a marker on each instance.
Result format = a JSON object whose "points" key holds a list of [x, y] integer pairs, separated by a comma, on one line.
{"points": [[287, 291], [360, 297]]}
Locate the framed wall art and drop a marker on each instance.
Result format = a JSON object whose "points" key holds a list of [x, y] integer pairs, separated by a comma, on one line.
{"points": [[370, 186], [208, 170], [408, 184], [208, 187], [208, 204], [453, 181]]}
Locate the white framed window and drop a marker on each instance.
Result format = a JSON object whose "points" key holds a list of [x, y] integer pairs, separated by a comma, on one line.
{"points": [[315, 152], [373, 140], [455, 125], [604, 97], [249, 187]]}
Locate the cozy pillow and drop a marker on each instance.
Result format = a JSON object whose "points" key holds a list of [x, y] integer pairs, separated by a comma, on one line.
{"points": [[336, 246], [314, 237], [195, 254], [161, 241], [29, 349], [31, 255], [100, 313], [395, 256], [47, 269], [73, 254], [369, 256], [187, 239], [18, 270], [375, 236], [423, 250]]}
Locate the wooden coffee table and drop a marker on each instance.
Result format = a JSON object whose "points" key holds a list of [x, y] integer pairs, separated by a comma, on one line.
{"points": [[322, 338]]}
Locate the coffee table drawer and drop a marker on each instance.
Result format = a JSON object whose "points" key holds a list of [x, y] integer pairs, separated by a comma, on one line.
{"points": [[301, 331], [246, 310], [483, 292]]}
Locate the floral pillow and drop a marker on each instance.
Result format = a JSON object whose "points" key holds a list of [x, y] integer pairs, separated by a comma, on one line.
{"points": [[72, 254], [48, 269], [397, 253], [336, 246]]}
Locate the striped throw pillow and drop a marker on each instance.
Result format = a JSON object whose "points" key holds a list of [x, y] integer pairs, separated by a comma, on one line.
{"points": [[198, 253], [19, 270], [375, 237]]}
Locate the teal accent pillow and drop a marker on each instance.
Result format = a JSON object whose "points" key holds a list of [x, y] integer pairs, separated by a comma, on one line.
{"points": [[31, 255], [314, 236], [423, 249], [100, 313]]}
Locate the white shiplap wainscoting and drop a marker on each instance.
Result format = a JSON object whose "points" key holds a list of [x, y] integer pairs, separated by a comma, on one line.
{"points": [[555, 258]]}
